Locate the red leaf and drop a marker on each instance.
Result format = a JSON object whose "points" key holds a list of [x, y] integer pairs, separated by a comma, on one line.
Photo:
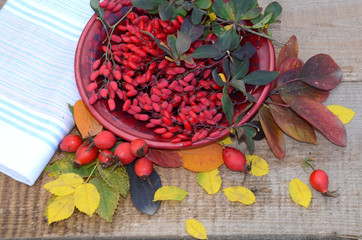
{"points": [[272, 132], [321, 72], [165, 158], [291, 63], [321, 118], [292, 124], [289, 50]]}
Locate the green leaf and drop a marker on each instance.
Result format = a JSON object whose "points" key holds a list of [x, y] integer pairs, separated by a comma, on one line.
{"points": [[116, 179], [179, 11], [65, 165], [239, 69], [275, 9], [260, 77], [206, 51], [217, 78], [98, 10], [108, 199], [248, 136], [183, 42], [242, 114], [192, 30], [147, 4], [187, 6], [171, 42], [252, 13], [160, 44], [263, 22], [196, 15], [226, 68], [246, 51], [239, 85], [165, 10], [169, 193], [203, 4], [242, 6], [223, 10], [227, 106]]}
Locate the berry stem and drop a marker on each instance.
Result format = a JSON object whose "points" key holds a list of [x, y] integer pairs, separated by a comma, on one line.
{"points": [[307, 161]]}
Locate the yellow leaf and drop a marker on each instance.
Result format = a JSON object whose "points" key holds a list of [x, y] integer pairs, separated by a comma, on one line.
{"points": [[65, 184], [87, 125], [169, 59], [222, 76], [226, 140], [239, 194], [87, 198], [60, 208], [344, 114], [196, 229], [300, 192], [259, 167], [210, 181], [169, 193], [228, 27], [212, 16]]}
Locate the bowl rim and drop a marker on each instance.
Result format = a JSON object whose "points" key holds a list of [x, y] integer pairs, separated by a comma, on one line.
{"points": [[152, 143]]}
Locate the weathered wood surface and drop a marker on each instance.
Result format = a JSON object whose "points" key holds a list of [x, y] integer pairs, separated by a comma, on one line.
{"points": [[321, 26]]}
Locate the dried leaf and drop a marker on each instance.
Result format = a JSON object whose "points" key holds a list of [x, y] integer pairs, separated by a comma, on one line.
{"points": [[272, 132], [321, 118], [165, 158], [289, 50], [87, 198], [87, 125], [300, 192], [259, 167], [108, 199], [226, 140], [239, 194], [210, 181], [60, 208], [195, 228], [203, 159], [64, 185], [291, 63], [292, 124], [115, 178], [344, 114], [169, 193]]}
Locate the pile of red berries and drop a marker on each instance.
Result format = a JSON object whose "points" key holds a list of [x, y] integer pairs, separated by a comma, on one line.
{"points": [[102, 147], [179, 101]]}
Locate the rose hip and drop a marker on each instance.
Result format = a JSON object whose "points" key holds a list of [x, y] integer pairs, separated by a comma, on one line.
{"points": [[234, 159]]}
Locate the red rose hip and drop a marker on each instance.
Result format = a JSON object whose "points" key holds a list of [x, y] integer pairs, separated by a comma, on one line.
{"points": [[70, 143], [139, 147], [143, 167], [123, 151], [234, 159]]}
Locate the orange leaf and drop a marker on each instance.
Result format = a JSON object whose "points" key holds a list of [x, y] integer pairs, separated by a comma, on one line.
{"points": [[203, 159], [289, 50], [87, 125]]}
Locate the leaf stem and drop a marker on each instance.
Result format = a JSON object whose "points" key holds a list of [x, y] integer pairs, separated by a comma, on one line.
{"points": [[92, 172], [307, 161], [279, 104], [290, 81]]}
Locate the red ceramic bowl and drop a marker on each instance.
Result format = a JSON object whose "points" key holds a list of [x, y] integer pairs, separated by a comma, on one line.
{"points": [[124, 125]]}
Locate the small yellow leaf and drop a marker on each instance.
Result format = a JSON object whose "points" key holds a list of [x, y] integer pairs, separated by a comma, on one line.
{"points": [[65, 184], [169, 193], [228, 27], [169, 59], [87, 198], [196, 229], [226, 140], [300, 192], [344, 114], [259, 167], [212, 16], [222, 76], [210, 181], [60, 208], [240, 194]]}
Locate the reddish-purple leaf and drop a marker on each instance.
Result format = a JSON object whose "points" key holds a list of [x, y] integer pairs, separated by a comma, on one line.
{"points": [[289, 50], [291, 63], [165, 158], [321, 72], [273, 133], [321, 118], [292, 124]]}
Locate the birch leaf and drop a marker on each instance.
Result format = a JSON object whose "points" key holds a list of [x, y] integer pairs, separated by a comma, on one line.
{"points": [[64, 185], [300, 192], [259, 167], [87, 198], [240, 194], [210, 181], [344, 114], [196, 229], [60, 208], [169, 193]]}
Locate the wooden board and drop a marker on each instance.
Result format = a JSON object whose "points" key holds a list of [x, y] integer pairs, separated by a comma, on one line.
{"points": [[323, 26]]}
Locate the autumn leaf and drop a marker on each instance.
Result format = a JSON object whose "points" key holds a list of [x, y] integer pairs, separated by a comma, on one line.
{"points": [[115, 178], [239, 194], [86, 198], [64, 185], [344, 114], [259, 167], [289, 50], [165, 158], [195, 228], [210, 181], [87, 125], [203, 159], [291, 63], [300, 192], [169, 193], [108, 199], [226, 140], [60, 208]]}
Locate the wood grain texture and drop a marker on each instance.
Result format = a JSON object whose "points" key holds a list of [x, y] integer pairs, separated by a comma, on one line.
{"points": [[321, 26]]}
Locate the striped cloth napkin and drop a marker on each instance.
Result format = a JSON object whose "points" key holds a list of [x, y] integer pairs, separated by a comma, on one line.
{"points": [[38, 39]]}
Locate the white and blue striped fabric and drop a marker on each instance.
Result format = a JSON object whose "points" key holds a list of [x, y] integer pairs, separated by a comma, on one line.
{"points": [[38, 39]]}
